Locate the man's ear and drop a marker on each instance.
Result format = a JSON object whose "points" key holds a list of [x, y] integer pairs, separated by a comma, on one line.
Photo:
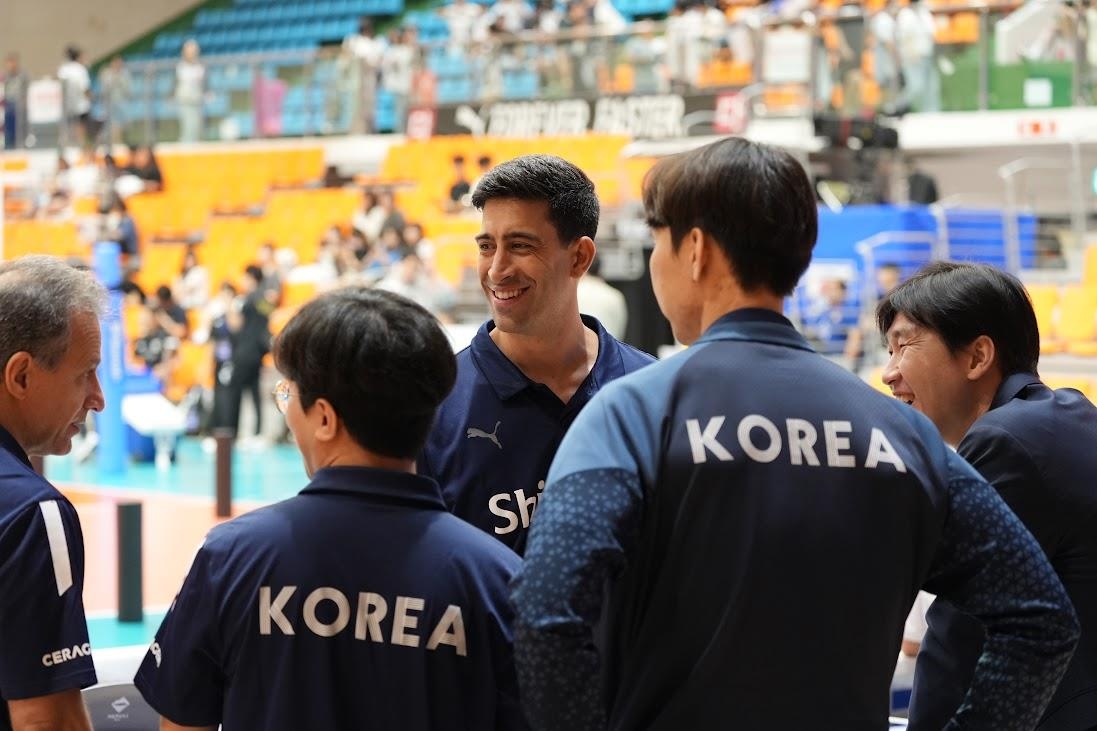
{"points": [[982, 357], [17, 374], [582, 256], [694, 244], [325, 421]]}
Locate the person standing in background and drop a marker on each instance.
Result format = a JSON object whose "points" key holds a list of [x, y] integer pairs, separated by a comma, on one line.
{"points": [[16, 84], [76, 99], [115, 87], [190, 92]]}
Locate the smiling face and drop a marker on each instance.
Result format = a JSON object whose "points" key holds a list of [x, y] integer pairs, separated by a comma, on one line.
{"points": [[60, 398], [528, 275], [924, 373]]}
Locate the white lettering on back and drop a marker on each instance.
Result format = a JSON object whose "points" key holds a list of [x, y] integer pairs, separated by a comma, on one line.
{"points": [[372, 608], [801, 441], [342, 618], [880, 450], [832, 435], [756, 421], [450, 631], [701, 440], [272, 611], [403, 621]]}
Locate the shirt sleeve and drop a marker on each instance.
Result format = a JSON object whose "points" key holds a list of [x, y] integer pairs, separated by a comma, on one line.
{"points": [[181, 675], [990, 566], [580, 540], [46, 648]]}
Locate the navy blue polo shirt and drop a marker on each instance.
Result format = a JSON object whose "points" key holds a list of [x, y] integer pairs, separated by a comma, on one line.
{"points": [[1036, 446], [497, 432], [732, 538], [361, 603], [45, 648]]}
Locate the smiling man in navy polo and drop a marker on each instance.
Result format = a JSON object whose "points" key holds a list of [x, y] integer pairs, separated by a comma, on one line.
{"points": [[361, 603], [537, 362]]}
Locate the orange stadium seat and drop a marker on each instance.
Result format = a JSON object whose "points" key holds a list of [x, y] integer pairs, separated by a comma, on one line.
{"points": [[1045, 299], [1061, 380], [1077, 325], [1089, 267]]}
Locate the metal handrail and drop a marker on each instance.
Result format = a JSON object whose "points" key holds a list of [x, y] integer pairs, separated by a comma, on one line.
{"points": [[1011, 215]]}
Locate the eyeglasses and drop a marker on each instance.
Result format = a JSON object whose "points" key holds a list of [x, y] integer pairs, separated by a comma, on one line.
{"points": [[281, 394]]}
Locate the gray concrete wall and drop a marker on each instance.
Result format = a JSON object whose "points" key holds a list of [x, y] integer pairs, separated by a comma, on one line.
{"points": [[39, 30]]}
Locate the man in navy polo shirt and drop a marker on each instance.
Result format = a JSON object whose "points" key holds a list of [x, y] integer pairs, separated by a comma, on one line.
{"points": [[49, 348], [964, 348], [733, 537], [360, 603], [537, 362]]}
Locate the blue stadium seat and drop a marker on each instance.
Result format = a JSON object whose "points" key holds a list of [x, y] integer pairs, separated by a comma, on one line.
{"points": [[521, 84]]}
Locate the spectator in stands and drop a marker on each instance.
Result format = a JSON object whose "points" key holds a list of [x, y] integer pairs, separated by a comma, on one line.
{"points": [[535, 365], [115, 87], [410, 278], [829, 324], [121, 227], [887, 63], [16, 84], [964, 348], [192, 287], [646, 52], [50, 349], [190, 92], [484, 165], [270, 288], [169, 314], [508, 16], [649, 591], [394, 217], [458, 192], [367, 533], [397, 70], [363, 52], [143, 171], [155, 347], [371, 217], [602, 301], [414, 241], [462, 19], [915, 32], [76, 99]]}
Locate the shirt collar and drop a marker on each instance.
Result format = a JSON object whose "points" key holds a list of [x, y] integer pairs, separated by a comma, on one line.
{"points": [[756, 325], [508, 380], [1012, 386], [378, 485], [7, 441]]}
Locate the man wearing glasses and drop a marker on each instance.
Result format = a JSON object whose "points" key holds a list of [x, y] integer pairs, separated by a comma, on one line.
{"points": [[360, 603]]}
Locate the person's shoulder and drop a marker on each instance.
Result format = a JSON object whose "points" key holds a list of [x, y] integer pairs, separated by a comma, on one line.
{"points": [[251, 531], [632, 357], [473, 547]]}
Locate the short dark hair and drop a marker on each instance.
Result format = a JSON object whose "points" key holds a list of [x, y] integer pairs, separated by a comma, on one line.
{"points": [[960, 302], [163, 292], [572, 202], [382, 361], [72, 53], [755, 200], [253, 271]]}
